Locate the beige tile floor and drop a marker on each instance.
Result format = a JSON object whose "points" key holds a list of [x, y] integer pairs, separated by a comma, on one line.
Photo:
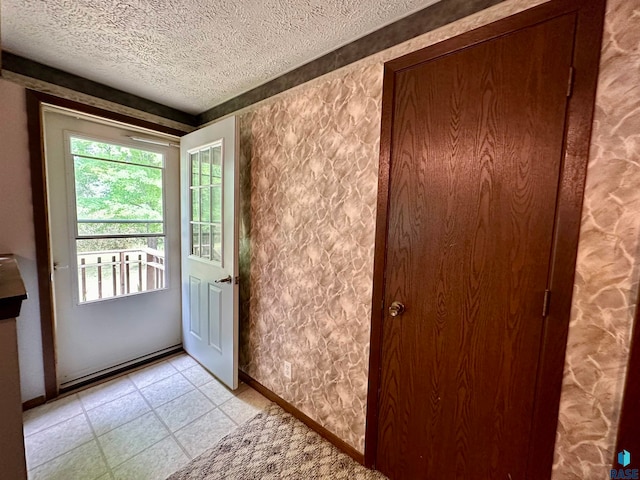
{"points": [[144, 425]]}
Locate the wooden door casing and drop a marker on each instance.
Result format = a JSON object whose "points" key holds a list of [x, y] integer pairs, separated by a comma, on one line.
{"points": [[568, 170]]}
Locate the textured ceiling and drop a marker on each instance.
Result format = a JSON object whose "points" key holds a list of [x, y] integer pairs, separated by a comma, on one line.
{"points": [[188, 54]]}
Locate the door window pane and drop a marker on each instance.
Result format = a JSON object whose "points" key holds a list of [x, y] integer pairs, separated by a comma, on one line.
{"points": [[216, 166], [216, 239], [119, 210], [195, 169], [113, 198], [109, 151], [206, 203], [195, 204], [216, 203], [195, 239], [205, 167], [206, 242]]}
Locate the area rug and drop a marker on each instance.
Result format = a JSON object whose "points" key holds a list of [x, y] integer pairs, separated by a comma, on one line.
{"points": [[274, 445]]}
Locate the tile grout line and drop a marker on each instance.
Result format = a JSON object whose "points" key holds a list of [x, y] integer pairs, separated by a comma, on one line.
{"points": [[53, 424], [63, 453], [122, 376], [136, 389], [226, 414], [152, 410], [95, 437], [122, 424], [155, 381], [236, 396], [162, 421], [139, 391], [172, 434], [68, 451], [148, 447], [215, 405], [84, 411]]}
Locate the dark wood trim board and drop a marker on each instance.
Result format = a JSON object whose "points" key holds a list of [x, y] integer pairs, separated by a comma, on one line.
{"points": [[29, 68], [308, 421], [43, 252], [590, 16], [100, 112], [33, 403]]}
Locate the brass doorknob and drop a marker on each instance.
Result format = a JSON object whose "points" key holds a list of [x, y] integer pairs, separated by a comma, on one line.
{"points": [[396, 309]]}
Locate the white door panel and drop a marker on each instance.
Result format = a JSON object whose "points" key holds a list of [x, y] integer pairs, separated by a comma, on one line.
{"points": [[95, 335], [209, 248]]}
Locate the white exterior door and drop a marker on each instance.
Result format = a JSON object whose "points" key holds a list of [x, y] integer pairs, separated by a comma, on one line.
{"points": [[114, 232], [210, 248]]}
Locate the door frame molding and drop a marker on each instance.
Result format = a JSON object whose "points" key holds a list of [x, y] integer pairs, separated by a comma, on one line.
{"points": [[579, 116], [34, 102]]}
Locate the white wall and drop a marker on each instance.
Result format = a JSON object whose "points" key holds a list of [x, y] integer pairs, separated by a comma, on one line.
{"points": [[16, 230]]}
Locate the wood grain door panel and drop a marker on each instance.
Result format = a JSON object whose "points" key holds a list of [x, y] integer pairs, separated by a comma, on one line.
{"points": [[476, 155]]}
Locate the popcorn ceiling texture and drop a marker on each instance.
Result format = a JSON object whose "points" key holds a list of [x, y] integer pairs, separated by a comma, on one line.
{"points": [[188, 54], [309, 168]]}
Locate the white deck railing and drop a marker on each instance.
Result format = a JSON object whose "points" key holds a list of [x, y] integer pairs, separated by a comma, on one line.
{"points": [[114, 273]]}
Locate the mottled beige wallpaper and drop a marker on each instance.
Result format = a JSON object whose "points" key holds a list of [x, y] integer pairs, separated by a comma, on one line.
{"points": [[309, 168], [312, 221]]}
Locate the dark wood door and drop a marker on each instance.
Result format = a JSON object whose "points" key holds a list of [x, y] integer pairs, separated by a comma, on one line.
{"points": [[476, 153]]}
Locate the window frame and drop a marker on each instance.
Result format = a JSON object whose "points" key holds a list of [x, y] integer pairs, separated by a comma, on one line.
{"points": [[192, 256], [73, 214]]}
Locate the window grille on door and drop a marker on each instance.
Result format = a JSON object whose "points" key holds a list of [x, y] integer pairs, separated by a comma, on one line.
{"points": [[205, 188]]}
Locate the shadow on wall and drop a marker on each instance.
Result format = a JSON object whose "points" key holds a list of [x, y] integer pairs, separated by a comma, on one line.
{"points": [[28, 326], [244, 254]]}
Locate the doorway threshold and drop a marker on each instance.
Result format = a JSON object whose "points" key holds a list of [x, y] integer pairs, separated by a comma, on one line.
{"points": [[118, 369]]}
